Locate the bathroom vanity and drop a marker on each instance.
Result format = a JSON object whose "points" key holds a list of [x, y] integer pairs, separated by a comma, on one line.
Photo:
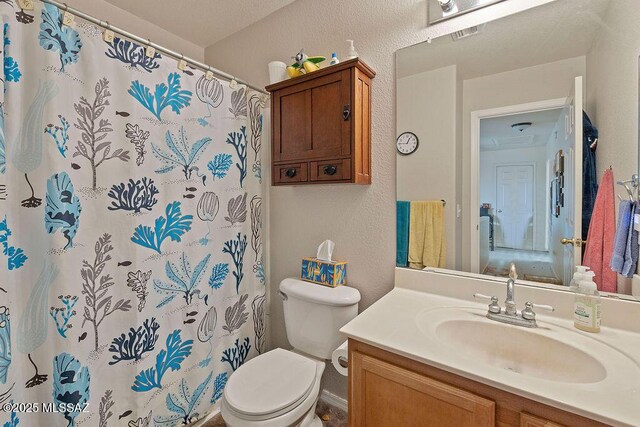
{"points": [[426, 354], [388, 389]]}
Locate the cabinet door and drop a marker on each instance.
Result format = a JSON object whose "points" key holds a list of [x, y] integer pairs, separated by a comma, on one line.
{"points": [[309, 123], [528, 420], [387, 395]]}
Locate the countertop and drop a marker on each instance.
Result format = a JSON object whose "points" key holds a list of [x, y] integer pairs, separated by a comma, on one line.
{"points": [[391, 324]]}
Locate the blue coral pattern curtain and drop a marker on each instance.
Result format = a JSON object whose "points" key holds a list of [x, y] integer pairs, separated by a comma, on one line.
{"points": [[132, 277]]}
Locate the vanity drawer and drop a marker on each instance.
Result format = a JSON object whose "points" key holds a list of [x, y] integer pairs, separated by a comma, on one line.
{"points": [[290, 173], [330, 170]]}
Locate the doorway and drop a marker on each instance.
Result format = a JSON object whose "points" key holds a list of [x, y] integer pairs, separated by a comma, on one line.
{"points": [[513, 192]]}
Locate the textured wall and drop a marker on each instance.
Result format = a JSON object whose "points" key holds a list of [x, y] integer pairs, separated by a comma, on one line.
{"points": [[360, 219], [426, 106], [612, 90], [138, 26]]}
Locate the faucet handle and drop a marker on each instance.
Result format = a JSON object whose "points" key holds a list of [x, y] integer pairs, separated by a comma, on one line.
{"points": [[513, 274], [493, 307], [528, 312]]}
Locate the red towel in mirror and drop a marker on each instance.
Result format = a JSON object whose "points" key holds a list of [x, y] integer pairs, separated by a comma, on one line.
{"points": [[602, 232]]}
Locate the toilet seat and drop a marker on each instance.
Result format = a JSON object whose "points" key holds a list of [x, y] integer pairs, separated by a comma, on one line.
{"points": [[270, 385]]}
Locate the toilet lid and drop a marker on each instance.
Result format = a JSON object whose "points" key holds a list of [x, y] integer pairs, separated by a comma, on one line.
{"points": [[270, 383]]}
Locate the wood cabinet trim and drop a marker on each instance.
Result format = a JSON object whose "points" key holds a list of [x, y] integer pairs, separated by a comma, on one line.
{"points": [[509, 407], [528, 420], [427, 385], [418, 393], [343, 172], [301, 176], [318, 118]]}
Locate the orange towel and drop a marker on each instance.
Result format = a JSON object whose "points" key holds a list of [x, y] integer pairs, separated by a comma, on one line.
{"points": [[601, 237]]}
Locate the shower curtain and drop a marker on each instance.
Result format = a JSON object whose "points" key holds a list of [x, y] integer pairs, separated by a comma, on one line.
{"points": [[132, 279]]}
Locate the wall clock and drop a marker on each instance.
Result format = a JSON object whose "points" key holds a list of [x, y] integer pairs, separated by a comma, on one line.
{"points": [[407, 143]]}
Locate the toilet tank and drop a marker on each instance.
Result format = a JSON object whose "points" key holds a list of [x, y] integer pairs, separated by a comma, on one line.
{"points": [[313, 315]]}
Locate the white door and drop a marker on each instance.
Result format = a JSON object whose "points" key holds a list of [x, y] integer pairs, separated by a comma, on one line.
{"points": [[569, 223], [514, 205]]}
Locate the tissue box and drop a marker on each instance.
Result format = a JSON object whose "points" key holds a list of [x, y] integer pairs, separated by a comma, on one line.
{"points": [[324, 273]]}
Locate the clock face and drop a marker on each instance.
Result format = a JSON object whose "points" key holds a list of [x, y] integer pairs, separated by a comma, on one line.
{"points": [[407, 143]]}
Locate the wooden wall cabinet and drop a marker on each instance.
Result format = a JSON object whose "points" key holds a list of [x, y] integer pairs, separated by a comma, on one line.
{"points": [[321, 126], [390, 390]]}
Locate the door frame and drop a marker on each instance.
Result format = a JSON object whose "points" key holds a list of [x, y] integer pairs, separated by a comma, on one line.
{"points": [[474, 168], [534, 187]]}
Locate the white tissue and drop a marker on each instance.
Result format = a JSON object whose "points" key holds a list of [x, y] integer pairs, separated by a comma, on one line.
{"points": [[325, 250], [341, 352]]}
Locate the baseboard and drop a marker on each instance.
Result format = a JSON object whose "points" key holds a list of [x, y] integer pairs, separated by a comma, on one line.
{"points": [[334, 400]]}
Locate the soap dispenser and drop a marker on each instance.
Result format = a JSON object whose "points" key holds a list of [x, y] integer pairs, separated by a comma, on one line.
{"points": [[580, 274], [586, 314]]}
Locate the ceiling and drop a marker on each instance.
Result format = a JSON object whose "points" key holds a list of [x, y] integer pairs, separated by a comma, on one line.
{"points": [[558, 30], [496, 133], [203, 22]]}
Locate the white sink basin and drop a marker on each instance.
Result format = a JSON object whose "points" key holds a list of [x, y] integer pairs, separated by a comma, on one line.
{"points": [[549, 352], [521, 351]]}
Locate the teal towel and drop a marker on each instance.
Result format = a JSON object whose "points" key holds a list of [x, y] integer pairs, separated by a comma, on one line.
{"points": [[403, 210]]}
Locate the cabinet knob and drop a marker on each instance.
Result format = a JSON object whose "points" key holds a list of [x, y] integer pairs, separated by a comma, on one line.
{"points": [[290, 173], [330, 169], [346, 112]]}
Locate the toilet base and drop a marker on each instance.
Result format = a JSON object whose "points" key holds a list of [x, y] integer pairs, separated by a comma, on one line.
{"points": [[316, 422]]}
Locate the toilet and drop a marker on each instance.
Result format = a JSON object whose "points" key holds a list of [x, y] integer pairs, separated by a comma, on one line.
{"points": [[281, 387]]}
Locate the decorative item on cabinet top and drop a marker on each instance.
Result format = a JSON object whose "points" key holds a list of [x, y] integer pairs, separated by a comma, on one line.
{"points": [[321, 126]]}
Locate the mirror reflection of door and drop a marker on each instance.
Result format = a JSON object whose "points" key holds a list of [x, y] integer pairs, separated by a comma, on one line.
{"points": [[570, 220], [516, 145], [514, 190]]}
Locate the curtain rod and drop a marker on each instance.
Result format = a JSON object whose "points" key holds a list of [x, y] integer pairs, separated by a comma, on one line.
{"points": [[147, 42]]}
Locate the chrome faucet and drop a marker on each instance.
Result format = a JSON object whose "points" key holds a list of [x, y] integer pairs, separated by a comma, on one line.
{"points": [[510, 315], [510, 303]]}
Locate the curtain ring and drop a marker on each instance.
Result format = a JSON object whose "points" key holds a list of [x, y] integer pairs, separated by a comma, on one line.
{"points": [[66, 8], [107, 25]]}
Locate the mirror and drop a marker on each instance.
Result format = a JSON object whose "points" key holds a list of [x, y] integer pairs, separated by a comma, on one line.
{"points": [[506, 130]]}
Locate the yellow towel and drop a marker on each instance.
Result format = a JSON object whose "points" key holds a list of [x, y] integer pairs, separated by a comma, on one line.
{"points": [[426, 235]]}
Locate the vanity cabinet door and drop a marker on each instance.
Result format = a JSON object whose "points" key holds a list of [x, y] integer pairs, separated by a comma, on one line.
{"points": [[387, 395], [528, 420]]}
